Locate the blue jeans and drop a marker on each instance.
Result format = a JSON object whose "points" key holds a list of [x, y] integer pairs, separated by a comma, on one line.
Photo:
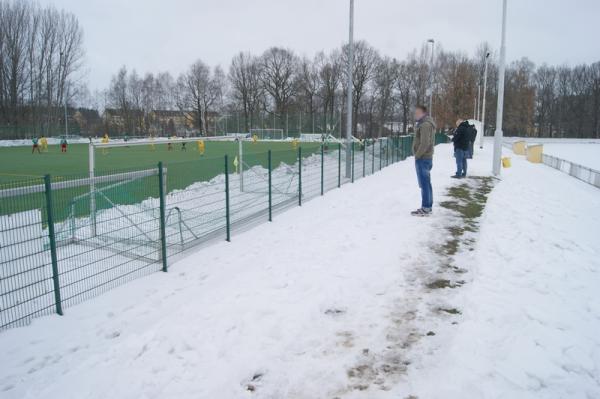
{"points": [[461, 161], [423, 167]]}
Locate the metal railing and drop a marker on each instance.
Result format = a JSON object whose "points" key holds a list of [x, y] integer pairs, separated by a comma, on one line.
{"points": [[583, 173], [56, 250]]}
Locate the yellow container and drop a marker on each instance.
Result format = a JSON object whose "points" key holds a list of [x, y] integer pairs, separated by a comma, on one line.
{"points": [[506, 162], [519, 147], [534, 153]]}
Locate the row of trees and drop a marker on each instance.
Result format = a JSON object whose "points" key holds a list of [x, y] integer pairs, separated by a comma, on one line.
{"points": [[546, 101], [41, 55]]}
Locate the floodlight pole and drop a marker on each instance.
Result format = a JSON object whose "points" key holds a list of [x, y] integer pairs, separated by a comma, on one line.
{"points": [[500, 110], [485, 73], [92, 168], [432, 41], [478, 100], [66, 93], [350, 87]]}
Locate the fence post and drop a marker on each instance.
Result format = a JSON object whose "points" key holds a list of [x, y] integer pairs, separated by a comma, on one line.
{"points": [[227, 216], [51, 235], [322, 169], [364, 148], [270, 188], [352, 154], [387, 152], [373, 157], [299, 176], [339, 165], [163, 233]]}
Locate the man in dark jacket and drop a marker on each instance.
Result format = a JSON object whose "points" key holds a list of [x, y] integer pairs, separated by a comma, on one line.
{"points": [[462, 141], [472, 138], [423, 144]]}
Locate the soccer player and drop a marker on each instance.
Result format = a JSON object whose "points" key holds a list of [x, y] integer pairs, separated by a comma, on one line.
{"points": [[63, 145], [255, 138], [201, 147], [35, 146], [295, 143], [183, 148], [44, 144], [105, 140]]}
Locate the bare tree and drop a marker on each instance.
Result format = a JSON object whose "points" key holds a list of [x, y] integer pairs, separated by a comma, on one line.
{"points": [[383, 90], [41, 50], [330, 76], [404, 87], [246, 86], [308, 87], [366, 59], [279, 71], [200, 91], [545, 80]]}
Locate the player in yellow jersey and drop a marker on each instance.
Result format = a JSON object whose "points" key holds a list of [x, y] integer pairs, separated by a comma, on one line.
{"points": [[295, 143], [44, 144], [255, 139], [105, 140], [201, 146]]}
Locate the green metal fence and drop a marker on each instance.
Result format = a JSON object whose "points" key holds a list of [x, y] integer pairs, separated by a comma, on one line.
{"points": [[65, 240]]}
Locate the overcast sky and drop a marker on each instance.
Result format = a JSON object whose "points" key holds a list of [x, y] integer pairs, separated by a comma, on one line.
{"points": [[153, 35]]}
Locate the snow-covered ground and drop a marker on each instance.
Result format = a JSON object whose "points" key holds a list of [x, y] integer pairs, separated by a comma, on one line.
{"points": [[334, 299], [531, 307], [585, 152], [581, 154]]}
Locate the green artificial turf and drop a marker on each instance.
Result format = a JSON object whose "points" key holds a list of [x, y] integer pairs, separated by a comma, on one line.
{"points": [[19, 167]]}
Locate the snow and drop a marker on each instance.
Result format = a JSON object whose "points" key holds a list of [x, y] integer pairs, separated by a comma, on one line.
{"points": [[582, 154], [585, 152], [531, 309], [330, 300]]}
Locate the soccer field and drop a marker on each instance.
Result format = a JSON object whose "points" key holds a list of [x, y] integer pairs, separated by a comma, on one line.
{"points": [[19, 167], [19, 164]]}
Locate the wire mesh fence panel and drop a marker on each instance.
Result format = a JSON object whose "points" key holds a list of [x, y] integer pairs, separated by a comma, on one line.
{"points": [[196, 211], [26, 278], [285, 179], [249, 198], [106, 239], [68, 238], [332, 166], [311, 174]]}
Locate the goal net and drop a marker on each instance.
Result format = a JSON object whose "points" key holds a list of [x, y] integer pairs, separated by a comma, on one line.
{"points": [[268, 134]]}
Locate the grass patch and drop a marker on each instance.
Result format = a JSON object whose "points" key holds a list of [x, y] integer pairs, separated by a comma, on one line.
{"points": [[452, 311], [441, 283]]}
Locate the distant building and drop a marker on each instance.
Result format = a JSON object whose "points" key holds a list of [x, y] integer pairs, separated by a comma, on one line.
{"points": [[168, 122]]}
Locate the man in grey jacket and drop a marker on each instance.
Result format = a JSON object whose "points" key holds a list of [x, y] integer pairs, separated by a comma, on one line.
{"points": [[423, 144]]}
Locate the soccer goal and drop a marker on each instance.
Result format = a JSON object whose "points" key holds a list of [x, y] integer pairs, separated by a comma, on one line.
{"points": [[268, 134]]}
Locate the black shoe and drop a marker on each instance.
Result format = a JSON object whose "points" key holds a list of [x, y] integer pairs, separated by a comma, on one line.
{"points": [[456, 177], [421, 212]]}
